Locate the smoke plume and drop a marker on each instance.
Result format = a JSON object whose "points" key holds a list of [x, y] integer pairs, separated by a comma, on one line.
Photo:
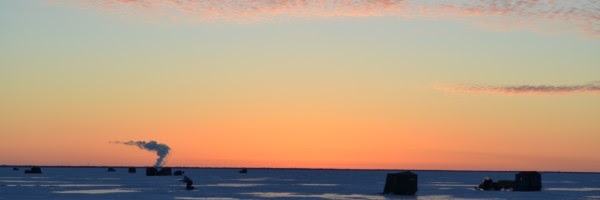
{"points": [[162, 150]]}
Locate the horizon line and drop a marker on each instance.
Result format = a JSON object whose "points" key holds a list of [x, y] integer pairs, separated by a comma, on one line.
{"points": [[300, 168]]}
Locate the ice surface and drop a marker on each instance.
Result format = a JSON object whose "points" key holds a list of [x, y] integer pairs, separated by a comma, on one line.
{"points": [[228, 184], [95, 191]]}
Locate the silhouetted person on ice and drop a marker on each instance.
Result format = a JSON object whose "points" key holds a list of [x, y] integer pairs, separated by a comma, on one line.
{"points": [[188, 183]]}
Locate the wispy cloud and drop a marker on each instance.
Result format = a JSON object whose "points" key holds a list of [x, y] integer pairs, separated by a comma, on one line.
{"points": [[593, 87], [538, 15]]}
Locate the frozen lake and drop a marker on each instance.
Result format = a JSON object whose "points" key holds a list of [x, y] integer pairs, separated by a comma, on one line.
{"points": [[97, 183]]}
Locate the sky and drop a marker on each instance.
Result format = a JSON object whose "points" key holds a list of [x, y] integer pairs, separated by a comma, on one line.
{"points": [[366, 84]]}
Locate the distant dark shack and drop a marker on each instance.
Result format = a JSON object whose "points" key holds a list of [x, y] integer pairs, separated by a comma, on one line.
{"points": [[165, 171], [34, 170], [110, 169], [489, 184], [131, 170], [528, 181], [402, 183], [178, 173], [153, 171]]}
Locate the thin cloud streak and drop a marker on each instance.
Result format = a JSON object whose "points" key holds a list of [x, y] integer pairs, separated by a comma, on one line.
{"points": [[593, 87], [538, 15]]}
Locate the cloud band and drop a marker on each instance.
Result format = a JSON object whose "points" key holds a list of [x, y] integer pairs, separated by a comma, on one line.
{"points": [[539, 15], [593, 87]]}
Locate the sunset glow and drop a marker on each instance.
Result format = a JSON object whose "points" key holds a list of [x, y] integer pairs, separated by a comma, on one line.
{"points": [[364, 84]]}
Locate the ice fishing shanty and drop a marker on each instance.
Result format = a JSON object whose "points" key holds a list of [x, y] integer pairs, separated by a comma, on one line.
{"points": [[402, 183], [154, 171]]}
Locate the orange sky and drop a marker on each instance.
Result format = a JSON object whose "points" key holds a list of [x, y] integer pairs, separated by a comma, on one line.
{"points": [[366, 86]]}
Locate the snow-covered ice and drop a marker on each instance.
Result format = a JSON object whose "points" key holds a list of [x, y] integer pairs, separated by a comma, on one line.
{"points": [[227, 184]]}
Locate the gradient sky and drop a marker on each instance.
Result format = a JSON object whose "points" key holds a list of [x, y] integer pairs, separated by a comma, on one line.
{"points": [[324, 84]]}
